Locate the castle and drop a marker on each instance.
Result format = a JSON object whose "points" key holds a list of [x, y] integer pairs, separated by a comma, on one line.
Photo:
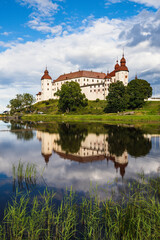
{"points": [[94, 85]]}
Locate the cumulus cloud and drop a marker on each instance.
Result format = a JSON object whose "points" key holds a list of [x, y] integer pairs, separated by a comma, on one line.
{"points": [[146, 27], [42, 7], [44, 27], [42, 16], [94, 47], [149, 3]]}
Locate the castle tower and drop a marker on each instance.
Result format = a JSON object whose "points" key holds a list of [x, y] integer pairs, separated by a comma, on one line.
{"points": [[121, 72], [46, 86]]}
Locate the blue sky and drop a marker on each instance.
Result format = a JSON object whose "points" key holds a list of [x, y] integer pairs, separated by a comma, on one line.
{"points": [[68, 35]]}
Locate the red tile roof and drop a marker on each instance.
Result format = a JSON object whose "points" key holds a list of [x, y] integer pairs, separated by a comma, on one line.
{"points": [[87, 74], [46, 75], [112, 74], [122, 68], [108, 76], [39, 93]]}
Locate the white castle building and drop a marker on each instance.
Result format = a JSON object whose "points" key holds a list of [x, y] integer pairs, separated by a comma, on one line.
{"points": [[93, 84]]}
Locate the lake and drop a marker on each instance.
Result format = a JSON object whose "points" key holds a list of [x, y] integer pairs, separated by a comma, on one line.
{"points": [[77, 155]]}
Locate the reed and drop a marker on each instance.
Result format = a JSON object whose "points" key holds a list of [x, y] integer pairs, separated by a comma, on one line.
{"points": [[135, 216], [24, 175]]}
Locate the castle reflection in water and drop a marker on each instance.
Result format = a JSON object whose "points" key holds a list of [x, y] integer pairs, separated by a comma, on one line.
{"points": [[93, 148]]}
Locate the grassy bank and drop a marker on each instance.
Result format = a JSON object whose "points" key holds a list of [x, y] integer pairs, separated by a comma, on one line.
{"points": [[135, 216], [106, 118], [150, 113]]}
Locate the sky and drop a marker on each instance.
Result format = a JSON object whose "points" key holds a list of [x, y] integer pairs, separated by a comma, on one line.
{"points": [[69, 35]]}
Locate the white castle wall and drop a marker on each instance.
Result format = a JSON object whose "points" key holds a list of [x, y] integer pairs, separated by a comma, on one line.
{"points": [[46, 86], [93, 88], [122, 76]]}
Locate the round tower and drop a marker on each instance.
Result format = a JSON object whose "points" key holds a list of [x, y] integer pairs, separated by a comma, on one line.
{"points": [[46, 86], [122, 71]]}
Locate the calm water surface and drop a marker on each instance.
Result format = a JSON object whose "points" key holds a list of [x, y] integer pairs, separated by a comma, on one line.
{"points": [[77, 155]]}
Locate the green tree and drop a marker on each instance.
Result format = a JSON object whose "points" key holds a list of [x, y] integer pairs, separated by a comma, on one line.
{"points": [[70, 97], [138, 90], [27, 99], [117, 98], [20, 102]]}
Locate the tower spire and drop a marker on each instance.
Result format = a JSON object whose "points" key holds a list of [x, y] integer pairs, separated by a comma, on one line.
{"points": [[136, 77], [123, 53]]}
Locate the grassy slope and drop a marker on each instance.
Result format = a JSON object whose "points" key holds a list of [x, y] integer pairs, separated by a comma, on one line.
{"points": [[94, 112], [51, 107]]}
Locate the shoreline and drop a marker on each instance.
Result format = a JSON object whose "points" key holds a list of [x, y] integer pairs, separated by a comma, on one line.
{"points": [[106, 118]]}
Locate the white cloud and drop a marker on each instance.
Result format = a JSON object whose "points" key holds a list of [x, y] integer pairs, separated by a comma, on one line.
{"points": [[108, 2], [95, 47], [10, 44], [43, 7], [150, 3], [44, 27], [42, 16], [6, 33]]}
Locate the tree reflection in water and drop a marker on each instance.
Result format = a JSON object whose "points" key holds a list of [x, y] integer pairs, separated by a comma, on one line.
{"points": [[21, 130], [71, 137], [120, 139], [132, 140]]}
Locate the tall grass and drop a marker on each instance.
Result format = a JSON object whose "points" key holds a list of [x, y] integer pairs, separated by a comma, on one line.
{"points": [[136, 216], [24, 175]]}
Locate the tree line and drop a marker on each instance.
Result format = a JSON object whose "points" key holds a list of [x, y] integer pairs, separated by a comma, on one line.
{"points": [[21, 102], [120, 97], [70, 97], [132, 96]]}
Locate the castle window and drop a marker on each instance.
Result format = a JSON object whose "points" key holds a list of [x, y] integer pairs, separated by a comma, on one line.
{"points": [[84, 79], [47, 83], [94, 90], [92, 80], [47, 88], [90, 90], [97, 81], [87, 80]]}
